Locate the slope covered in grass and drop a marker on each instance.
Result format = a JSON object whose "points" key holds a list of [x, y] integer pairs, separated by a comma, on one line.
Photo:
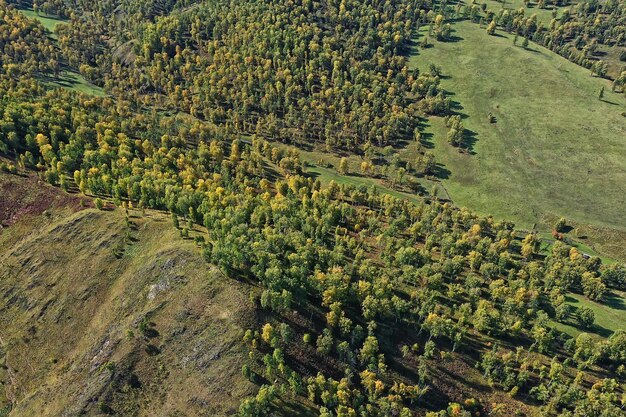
{"points": [[96, 316], [554, 150], [609, 316], [48, 21], [67, 78]]}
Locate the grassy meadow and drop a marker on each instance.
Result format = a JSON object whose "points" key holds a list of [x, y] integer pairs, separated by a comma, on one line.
{"points": [[68, 78], [544, 15], [73, 80], [323, 166], [48, 21], [609, 316], [555, 148]]}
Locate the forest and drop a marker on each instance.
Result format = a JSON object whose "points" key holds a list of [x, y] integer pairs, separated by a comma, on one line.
{"points": [[363, 297]]}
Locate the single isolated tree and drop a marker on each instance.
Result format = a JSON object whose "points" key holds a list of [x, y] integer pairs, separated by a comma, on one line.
{"points": [[343, 166]]}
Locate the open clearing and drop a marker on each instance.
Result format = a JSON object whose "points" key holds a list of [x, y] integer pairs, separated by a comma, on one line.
{"points": [[48, 21], [73, 80], [323, 166], [609, 315], [544, 15], [68, 78], [555, 148]]}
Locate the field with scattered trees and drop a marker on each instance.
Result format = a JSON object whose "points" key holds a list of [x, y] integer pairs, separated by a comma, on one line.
{"points": [[542, 144]]}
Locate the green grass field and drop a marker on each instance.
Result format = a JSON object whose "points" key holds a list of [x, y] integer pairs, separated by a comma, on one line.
{"points": [[543, 15], [326, 175], [555, 149], [73, 80], [48, 21], [69, 78], [610, 315]]}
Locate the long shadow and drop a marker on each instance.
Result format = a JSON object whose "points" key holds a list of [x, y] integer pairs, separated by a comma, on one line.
{"points": [[410, 48], [595, 328], [426, 140], [455, 106], [67, 77], [609, 102], [534, 51], [469, 140], [453, 39], [615, 301], [455, 20], [312, 174], [602, 331], [441, 172], [270, 172]]}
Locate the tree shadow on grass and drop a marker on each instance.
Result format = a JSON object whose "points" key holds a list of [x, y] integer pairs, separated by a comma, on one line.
{"points": [[609, 102], [455, 106], [595, 328], [441, 172], [602, 331], [65, 78], [615, 301], [452, 39], [426, 140], [410, 47], [469, 140], [534, 51]]}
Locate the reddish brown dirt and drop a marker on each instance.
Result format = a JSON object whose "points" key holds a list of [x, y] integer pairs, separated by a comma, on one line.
{"points": [[26, 195]]}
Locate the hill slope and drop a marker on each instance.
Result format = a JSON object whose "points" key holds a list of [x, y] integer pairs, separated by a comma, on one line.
{"points": [[115, 319], [554, 150]]}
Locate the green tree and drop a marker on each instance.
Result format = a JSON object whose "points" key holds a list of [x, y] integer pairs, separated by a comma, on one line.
{"points": [[343, 166], [585, 317], [593, 287]]}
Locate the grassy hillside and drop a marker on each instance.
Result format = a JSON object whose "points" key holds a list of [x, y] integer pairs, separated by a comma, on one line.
{"points": [[116, 318], [48, 21], [609, 316], [68, 78], [554, 150], [543, 15], [73, 80]]}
